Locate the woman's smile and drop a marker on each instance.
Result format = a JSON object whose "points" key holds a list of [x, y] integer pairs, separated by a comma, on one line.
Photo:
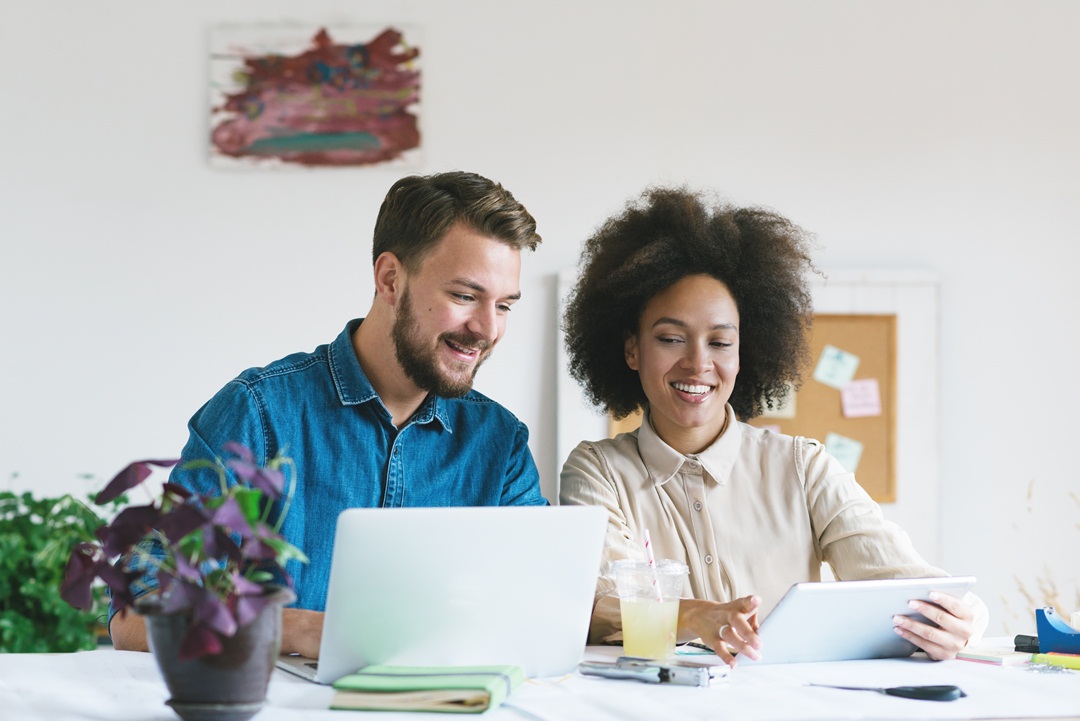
{"points": [[686, 353]]}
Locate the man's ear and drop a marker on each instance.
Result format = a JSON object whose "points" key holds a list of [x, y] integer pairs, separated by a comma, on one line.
{"points": [[630, 350], [389, 278]]}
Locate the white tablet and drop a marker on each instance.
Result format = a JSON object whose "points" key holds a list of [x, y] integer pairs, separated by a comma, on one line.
{"points": [[846, 620]]}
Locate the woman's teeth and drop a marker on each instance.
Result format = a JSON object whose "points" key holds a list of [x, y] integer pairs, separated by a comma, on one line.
{"points": [[691, 389]]}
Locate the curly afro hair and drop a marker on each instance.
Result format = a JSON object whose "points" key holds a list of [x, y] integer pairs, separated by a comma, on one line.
{"points": [[659, 239]]}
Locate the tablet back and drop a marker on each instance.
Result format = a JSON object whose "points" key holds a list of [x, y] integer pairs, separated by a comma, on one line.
{"points": [[846, 620]]}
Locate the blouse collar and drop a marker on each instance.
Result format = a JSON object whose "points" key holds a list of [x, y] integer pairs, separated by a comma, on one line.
{"points": [[663, 462]]}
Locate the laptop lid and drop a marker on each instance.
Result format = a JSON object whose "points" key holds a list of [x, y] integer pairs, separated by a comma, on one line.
{"points": [[846, 620], [461, 586]]}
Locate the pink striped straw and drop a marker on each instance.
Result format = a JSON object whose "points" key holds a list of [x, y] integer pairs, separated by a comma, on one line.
{"points": [[652, 566]]}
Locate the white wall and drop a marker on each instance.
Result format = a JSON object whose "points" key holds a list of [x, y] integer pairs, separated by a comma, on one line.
{"points": [[925, 134]]}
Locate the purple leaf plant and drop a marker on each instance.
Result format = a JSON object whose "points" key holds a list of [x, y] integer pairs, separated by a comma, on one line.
{"points": [[219, 550]]}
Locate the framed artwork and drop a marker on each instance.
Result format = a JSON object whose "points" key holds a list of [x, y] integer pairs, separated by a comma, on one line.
{"points": [[309, 96]]}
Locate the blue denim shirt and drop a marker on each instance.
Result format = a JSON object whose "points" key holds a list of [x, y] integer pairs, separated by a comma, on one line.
{"points": [[321, 410]]}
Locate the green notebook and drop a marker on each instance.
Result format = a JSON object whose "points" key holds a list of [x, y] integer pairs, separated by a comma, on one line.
{"points": [[452, 689]]}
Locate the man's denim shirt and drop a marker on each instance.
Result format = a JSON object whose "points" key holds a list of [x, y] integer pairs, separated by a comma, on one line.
{"points": [[320, 410]]}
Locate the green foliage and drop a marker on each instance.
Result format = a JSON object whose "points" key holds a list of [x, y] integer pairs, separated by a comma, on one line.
{"points": [[36, 536]]}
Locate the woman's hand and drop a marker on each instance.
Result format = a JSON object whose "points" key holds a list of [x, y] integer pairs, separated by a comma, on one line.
{"points": [[953, 617], [727, 628]]}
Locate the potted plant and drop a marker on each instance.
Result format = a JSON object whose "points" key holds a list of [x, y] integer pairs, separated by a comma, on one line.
{"points": [[219, 560], [36, 534]]}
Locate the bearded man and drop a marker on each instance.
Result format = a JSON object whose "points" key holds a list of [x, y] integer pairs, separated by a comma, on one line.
{"points": [[385, 415]]}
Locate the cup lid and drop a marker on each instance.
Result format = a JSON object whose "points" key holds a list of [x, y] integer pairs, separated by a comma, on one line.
{"points": [[664, 566]]}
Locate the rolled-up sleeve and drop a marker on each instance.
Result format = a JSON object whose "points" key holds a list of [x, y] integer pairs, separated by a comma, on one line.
{"points": [[855, 538]]}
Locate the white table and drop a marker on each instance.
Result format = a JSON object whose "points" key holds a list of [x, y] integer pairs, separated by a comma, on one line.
{"points": [[120, 686]]}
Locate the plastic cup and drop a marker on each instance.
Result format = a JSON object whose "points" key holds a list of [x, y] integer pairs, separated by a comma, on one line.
{"points": [[650, 620]]}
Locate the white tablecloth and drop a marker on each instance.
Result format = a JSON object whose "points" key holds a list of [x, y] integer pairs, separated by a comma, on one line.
{"points": [[118, 686]]}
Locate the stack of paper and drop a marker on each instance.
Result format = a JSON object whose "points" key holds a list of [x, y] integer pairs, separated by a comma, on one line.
{"points": [[994, 656]]}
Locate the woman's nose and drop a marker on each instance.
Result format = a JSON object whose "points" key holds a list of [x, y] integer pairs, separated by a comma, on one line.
{"points": [[696, 357]]}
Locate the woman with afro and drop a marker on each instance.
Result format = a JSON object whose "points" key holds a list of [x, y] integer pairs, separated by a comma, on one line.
{"points": [[697, 314]]}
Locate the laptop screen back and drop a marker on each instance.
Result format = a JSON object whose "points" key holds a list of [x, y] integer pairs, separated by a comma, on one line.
{"points": [[461, 586]]}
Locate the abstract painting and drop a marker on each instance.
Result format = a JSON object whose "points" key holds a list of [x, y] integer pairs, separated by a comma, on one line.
{"points": [[286, 96]]}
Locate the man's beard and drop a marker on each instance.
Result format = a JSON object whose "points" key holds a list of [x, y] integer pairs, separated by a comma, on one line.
{"points": [[421, 364]]}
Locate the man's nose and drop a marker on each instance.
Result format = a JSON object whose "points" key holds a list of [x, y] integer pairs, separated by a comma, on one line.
{"points": [[484, 324]]}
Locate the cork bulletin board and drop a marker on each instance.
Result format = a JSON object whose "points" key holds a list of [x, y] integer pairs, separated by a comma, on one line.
{"points": [[847, 400]]}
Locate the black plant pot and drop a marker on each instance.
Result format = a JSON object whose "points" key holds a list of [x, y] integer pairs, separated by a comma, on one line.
{"points": [[229, 686]]}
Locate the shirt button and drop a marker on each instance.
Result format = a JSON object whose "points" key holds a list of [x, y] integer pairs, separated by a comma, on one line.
{"points": [[697, 505], [708, 560]]}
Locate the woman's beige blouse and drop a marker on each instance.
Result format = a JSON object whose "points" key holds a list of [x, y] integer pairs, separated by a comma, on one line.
{"points": [[752, 514]]}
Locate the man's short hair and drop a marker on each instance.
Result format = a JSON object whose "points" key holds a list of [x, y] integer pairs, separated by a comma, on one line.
{"points": [[420, 209]]}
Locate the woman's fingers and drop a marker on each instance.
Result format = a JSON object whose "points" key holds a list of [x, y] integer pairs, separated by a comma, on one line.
{"points": [[724, 651], [747, 644], [956, 607], [949, 629], [744, 626], [937, 644], [727, 628], [740, 632]]}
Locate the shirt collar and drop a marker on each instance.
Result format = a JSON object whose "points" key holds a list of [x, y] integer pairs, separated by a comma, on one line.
{"points": [[354, 388], [663, 462], [434, 408]]}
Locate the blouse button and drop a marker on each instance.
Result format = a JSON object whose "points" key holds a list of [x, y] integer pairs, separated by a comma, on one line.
{"points": [[692, 465], [708, 560], [697, 505]]}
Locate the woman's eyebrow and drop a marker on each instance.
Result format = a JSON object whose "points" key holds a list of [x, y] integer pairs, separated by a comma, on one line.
{"points": [[683, 324], [670, 321]]}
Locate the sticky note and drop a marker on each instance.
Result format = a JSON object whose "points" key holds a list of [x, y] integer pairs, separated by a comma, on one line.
{"points": [[836, 367], [861, 398], [846, 450]]}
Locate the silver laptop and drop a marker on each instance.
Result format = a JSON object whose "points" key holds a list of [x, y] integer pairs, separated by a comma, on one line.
{"points": [[845, 620], [459, 586]]}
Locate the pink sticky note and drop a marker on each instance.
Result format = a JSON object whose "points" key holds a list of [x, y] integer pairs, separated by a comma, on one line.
{"points": [[861, 398]]}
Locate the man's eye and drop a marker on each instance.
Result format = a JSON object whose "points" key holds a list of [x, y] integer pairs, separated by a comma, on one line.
{"points": [[462, 296], [505, 308]]}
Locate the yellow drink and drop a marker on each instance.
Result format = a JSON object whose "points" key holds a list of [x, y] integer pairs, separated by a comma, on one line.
{"points": [[649, 627]]}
